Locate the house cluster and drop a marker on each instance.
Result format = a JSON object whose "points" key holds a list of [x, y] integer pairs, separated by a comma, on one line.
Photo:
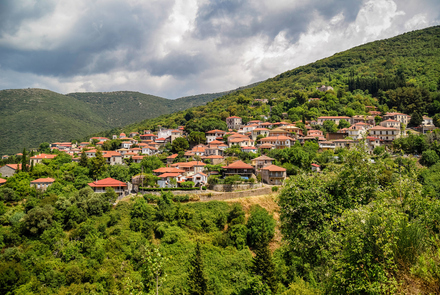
{"points": [[250, 137]]}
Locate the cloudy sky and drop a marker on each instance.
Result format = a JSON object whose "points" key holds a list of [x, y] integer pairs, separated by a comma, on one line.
{"points": [[174, 48]]}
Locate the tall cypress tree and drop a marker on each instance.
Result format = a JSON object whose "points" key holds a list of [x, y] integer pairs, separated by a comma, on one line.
{"points": [[263, 266], [197, 282], [83, 161], [24, 161]]}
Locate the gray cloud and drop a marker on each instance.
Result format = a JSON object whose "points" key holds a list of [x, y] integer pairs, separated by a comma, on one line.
{"points": [[174, 48]]}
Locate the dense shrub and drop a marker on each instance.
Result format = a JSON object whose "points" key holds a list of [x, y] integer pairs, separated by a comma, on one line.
{"points": [[261, 227]]}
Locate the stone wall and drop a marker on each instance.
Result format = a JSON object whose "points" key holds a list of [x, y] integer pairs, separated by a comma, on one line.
{"points": [[234, 187], [177, 193]]}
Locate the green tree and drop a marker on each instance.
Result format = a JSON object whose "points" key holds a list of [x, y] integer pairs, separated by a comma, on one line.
{"points": [[263, 266], [429, 158], [83, 161], [38, 219], [151, 163], [197, 282], [97, 165], [343, 124], [416, 119], [196, 137], [180, 144], [261, 227], [24, 161], [44, 147], [154, 269], [330, 126]]}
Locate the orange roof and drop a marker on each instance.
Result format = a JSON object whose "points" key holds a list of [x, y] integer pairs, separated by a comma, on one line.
{"points": [[238, 165], [43, 180], [43, 156], [216, 131], [2, 180], [263, 158], [280, 137], [198, 149], [173, 156], [383, 128], [168, 170], [165, 175], [214, 157], [274, 168], [234, 117], [188, 164], [216, 142], [107, 182], [266, 146], [333, 117], [14, 166]]}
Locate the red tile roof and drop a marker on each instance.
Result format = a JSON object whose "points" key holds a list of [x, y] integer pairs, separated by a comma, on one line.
{"points": [[44, 156], [238, 165], [274, 168], [215, 131], [2, 180], [14, 166], [43, 180], [165, 175], [107, 182], [168, 170]]}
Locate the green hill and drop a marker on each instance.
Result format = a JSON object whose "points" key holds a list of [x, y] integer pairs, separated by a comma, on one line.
{"points": [[31, 116], [400, 73]]}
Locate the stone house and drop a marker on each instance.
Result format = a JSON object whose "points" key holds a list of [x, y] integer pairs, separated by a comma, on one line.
{"points": [[273, 175], [234, 122], [42, 183], [99, 186]]}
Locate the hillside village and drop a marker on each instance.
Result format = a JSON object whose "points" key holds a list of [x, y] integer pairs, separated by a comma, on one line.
{"points": [[211, 157]]}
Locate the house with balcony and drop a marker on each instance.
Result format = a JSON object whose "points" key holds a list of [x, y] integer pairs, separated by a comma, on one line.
{"points": [[99, 186], [386, 134], [261, 162], [326, 145], [239, 168], [170, 179], [273, 175], [280, 142]]}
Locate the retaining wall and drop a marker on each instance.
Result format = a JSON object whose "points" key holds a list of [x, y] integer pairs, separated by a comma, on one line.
{"points": [[234, 187]]}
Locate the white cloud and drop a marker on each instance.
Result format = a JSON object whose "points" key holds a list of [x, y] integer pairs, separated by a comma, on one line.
{"points": [[146, 45]]}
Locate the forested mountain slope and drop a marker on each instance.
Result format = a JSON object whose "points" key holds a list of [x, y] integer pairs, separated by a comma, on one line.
{"points": [[31, 116], [400, 73]]}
